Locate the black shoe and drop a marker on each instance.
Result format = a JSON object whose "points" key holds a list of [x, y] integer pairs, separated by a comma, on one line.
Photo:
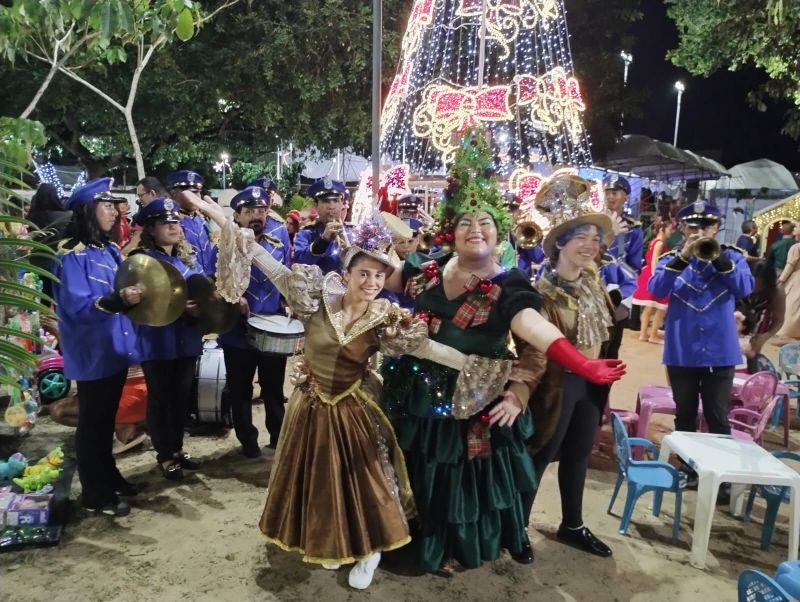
{"points": [[117, 507], [172, 471], [250, 452], [273, 445], [128, 489], [186, 461], [583, 539], [525, 555]]}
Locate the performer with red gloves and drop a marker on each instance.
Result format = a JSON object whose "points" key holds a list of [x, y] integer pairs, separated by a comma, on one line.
{"points": [[468, 464], [566, 406]]}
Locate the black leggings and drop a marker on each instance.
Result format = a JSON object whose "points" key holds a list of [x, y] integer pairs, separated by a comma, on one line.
{"points": [[98, 401], [574, 438], [169, 390]]}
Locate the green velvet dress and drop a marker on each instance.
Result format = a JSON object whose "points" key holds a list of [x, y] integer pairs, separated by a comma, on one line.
{"points": [[467, 509]]}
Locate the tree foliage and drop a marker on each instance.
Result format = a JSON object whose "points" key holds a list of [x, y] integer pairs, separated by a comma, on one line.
{"points": [[736, 34]]}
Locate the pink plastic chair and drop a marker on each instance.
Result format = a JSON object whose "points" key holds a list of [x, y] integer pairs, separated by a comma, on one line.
{"points": [[758, 402]]}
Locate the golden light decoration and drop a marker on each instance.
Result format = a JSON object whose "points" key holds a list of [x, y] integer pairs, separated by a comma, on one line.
{"points": [[790, 209], [505, 18], [447, 110], [420, 18], [555, 100]]}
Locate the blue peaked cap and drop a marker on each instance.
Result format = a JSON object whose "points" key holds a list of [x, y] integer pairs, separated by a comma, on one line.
{"points": [[98, 189]]}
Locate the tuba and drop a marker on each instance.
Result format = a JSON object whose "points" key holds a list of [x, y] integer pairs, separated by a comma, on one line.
{"points": [[707, 248]]}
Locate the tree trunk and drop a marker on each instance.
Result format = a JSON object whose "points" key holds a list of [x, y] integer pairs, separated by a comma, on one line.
{"points": [[137, 149]]}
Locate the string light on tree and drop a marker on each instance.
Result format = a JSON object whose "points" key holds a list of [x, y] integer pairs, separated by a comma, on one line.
{"points": [[437, 93]]}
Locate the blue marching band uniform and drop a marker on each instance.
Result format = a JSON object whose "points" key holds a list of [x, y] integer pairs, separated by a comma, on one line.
{"points": [[196, 228], [309, 246], [98, 344], [168, 356], [241, 359], [701, 347]]}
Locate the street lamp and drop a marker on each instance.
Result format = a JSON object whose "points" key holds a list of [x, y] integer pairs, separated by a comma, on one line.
{"points": [[224, 157], [680, 88], [627, 58]]}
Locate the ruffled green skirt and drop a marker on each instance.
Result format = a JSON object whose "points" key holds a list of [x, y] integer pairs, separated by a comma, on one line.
{"points": [[467, 509]]}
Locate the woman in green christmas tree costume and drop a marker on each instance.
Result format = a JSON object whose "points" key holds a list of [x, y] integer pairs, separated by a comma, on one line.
{"points": [[465, 450]]}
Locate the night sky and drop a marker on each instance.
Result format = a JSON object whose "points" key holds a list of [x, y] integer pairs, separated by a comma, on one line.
{"points": [[716, 119]]}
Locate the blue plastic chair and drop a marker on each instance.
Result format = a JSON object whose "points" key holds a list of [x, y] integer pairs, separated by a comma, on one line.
{"points": [[788, 577], [789, 362], [775, 496], [755, 586], [642, 476]]}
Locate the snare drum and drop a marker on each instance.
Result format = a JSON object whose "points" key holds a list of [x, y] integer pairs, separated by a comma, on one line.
{"points": [[276, 335], [212, 403]]}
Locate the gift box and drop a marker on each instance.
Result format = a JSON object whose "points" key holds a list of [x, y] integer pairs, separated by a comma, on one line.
{"points": [[29, 509]]}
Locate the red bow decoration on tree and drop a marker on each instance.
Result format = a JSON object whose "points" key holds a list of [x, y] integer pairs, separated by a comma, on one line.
{"points": [[475, 310]]}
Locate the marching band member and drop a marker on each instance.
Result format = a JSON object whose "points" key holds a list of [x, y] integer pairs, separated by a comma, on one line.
{"points": [[627, 247], [168, 353], [251, 207], [97, 342], [318, 244], [701, 345], [196, 230], [148, 189]]}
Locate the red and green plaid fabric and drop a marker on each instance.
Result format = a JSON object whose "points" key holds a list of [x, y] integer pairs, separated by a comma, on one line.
{"points": [[475, 310]]}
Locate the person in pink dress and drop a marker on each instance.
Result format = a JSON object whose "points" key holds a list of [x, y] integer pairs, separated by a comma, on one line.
{"points": [[653, 309]]}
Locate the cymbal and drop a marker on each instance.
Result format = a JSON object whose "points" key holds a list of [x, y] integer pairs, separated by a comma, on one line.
{"points": [[397, 226], [216, 315], [163, 289]]}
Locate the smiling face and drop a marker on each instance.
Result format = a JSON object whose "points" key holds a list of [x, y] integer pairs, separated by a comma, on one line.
{"points": [[581, 249], [252, 217], [365, 278], [166, 234], [475, 235], [106, 214]]}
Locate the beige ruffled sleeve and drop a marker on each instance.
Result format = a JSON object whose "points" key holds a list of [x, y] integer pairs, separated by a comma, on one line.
{"points": [[301, 286]]}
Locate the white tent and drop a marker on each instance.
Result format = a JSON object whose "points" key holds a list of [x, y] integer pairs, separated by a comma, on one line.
{"points": [[757, 175], [344, 166]]}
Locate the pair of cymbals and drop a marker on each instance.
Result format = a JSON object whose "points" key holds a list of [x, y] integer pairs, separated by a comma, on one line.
{"points": [[216, 315], [165, 292], [163, 289]]}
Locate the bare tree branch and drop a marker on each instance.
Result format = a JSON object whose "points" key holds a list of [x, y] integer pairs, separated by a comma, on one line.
{"points": [[212, 14], [93, 88]]}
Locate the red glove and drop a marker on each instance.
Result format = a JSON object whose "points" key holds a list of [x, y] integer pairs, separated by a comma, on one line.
{"points": [[600, 372]]}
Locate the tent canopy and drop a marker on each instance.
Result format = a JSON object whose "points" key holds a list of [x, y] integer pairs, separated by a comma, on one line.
{"points": [[650, 158], [758, 175]]}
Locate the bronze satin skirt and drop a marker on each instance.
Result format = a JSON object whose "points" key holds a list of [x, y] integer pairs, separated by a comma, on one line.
{"points": [[339, 491]]}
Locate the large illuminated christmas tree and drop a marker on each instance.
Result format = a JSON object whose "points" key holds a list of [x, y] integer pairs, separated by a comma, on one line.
{"points": [[529, 98]]}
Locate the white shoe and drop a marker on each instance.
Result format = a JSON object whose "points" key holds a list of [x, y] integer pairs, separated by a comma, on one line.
{"points": [[363, 571], [330, 567]]}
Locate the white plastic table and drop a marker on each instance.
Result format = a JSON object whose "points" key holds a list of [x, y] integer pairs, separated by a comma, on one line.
{"points": [[722, 459]]}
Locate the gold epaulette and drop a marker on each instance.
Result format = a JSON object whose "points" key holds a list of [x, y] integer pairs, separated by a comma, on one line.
{"points": [[64, 246]]}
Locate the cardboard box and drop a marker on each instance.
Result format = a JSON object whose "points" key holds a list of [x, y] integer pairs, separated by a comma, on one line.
{"points": [[29, 509]]}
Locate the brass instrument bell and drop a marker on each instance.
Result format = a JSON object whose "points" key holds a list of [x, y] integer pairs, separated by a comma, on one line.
{"points": [[427, 239], [527, 234], [707, 248], [163, 289]]}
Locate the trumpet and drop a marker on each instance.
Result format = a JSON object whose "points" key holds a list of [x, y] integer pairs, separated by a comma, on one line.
{"points": [[342, 240], [706, 248], [527, 234], [427, 239]]}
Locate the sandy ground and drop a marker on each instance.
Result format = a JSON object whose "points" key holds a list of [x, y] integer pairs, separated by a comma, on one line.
{"points": [[198, 540]]}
